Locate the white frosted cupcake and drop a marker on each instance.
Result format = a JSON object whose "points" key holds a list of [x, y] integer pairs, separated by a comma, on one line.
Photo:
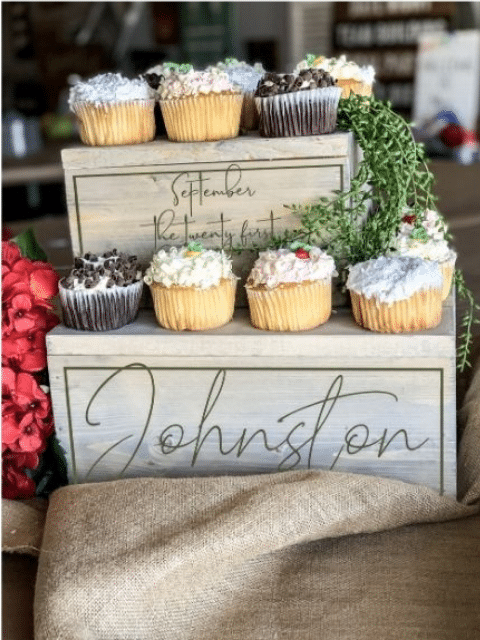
{"points": [[350, 77], [101, 293], [192, 288], [200, 106], [303, 104], [112, 110], [396, 294], [247, 78], [290, 289], [426, 241]]}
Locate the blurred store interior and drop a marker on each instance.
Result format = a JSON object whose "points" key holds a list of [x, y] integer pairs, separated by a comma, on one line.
{"points": [[46, 45]]}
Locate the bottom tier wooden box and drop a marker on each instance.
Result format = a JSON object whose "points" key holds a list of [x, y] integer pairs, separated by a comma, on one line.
{"points": [[143, 401]]}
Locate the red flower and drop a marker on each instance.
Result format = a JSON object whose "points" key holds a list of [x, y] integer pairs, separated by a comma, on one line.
{"points": [[25, 352], [15, 482], [22, 316], [10, 255], [44, 283], [7, 234], [21, 275], [22, 460], [26, 411], [27, 287], [30, 397]]}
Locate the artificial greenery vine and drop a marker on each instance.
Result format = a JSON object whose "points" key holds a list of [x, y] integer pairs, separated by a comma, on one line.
{"points": [[392, 177]]}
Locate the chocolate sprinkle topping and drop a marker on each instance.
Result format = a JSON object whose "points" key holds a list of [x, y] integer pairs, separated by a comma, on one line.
{"points": [[120, 268], [274, 83]]}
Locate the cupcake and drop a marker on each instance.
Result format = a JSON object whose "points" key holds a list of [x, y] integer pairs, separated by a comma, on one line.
{"points": [[113, 110], [247, 78], [350, 77], [396, 294], [200, 106], [154, 77], [290, 289], [192, 288], [303, 104], [101, 292], [426, 239]]}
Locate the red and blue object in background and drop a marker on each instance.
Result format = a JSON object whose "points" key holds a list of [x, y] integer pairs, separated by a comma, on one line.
{"points": [[446, 133]]}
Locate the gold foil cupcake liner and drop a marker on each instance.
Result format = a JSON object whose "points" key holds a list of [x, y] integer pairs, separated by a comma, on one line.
{"points": [[447, 269], [194, 309], [250, 117], [421, 311], [201, 118], [290, 307], [100, 310], [116, 123]]}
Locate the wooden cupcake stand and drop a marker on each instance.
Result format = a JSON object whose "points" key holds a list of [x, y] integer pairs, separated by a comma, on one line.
{"points": [[142, 401]]}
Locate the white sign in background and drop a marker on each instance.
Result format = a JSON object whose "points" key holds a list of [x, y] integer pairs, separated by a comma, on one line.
{"points": [[448, 77]]}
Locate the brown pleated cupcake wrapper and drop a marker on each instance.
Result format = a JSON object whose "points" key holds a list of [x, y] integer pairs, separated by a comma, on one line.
{"points": [[101, 310], [447, 269], [193, 309], [421, 311], [201, 118], [354, 86], [116, 123], [300, 113], [290, 307], [250, 117]]}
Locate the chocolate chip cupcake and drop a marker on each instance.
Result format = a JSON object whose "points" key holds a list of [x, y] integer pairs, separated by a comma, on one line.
{"points": [[101, 292], [302, 104]]}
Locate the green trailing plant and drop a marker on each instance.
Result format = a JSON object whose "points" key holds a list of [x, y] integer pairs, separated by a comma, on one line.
{"points": [[469, 318], [392, 178]]}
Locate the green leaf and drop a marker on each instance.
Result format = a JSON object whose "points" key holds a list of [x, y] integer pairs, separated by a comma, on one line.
{"points": [[29, 247]]}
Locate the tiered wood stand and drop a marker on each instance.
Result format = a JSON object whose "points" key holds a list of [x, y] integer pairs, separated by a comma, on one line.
{"points": [[146, 401]]}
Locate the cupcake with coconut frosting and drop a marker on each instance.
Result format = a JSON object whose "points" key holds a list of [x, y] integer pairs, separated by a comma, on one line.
{"points": [[290, 289], [350, 77], [200, 106], [302, 104], [101, 292], [113, 110], [247, 78], [396, 294], [192, 288], [426, 240]]}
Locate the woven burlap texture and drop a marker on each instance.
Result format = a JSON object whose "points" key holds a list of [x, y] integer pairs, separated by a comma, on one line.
{"points": [[22, 525], [268, 557]]}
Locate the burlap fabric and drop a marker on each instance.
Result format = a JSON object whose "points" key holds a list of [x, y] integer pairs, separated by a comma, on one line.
{"points": [[22, 525], [269, 557]]}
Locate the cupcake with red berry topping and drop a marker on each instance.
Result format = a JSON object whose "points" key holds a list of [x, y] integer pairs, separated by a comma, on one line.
{"points": [[192, 288], [425, 238], [290, 289]]}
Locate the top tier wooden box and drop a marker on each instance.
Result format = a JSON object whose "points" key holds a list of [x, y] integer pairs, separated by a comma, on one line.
{"points": [[230, 193]]}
